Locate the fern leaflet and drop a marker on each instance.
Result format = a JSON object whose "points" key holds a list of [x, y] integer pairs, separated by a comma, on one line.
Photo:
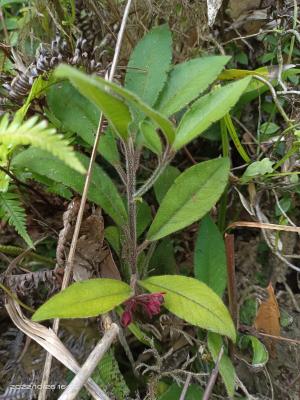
{"points": [[37, 134], [11, 210]]}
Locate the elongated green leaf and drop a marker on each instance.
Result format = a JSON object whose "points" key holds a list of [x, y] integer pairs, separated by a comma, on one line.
{"points": [[260, 355], [226, 367], [102, 189], [114, 109], [208, 109], [209, 257], [149, 63], [165, 181], [190, 197], [39, 86], [235, 138], [188, 80], [149, 137], [90, 87], [192, 301], [80, 116], [84, 299]]}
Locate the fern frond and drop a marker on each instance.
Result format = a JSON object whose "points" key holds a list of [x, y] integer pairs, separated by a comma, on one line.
{"points": [[37, 134], [11, 210]]}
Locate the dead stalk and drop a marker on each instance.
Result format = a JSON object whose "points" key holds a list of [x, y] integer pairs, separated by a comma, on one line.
{"points": [[213, 377], [90, 364], [185, 387]]}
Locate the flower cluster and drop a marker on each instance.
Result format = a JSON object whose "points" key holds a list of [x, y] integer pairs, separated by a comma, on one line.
{"points": [[150, 304]]}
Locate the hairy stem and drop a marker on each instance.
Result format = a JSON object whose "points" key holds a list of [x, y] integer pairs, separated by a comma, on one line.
{"points": [[166, 158], [130, 156]]}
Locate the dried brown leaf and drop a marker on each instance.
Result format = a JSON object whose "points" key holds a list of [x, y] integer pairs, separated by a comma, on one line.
{"points": [[268, 319]]}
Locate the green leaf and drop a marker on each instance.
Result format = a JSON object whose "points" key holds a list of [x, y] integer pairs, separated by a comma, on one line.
{"points": [[208, 109], [165, 181], [285, 204], [102, 190], [90, 86], [258, 168], [143, 216], [150, 138], [190, 197], [112, 235], [194, 392], [114, 109], [163, 260], [85, 299], [248, 311], [235, 138], [226, 367], [11, 210], [34, 133], [187, 81], [193, 301], [209, 257], [260, 355], [81, 116], [149, 63], [269, 128], [39, 86]]}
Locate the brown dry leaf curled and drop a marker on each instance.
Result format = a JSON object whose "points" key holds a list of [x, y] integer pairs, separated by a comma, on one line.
{"points": [[268, 319]]}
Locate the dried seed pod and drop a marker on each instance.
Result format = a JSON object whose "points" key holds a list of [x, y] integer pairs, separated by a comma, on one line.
{"points": [[85, 54]]}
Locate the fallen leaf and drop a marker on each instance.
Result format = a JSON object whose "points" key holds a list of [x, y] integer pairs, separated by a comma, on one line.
{"points": [[268, 319]]}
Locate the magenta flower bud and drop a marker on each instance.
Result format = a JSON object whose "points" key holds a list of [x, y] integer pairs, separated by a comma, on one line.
{"points": [[150, 303], [126, 318]]}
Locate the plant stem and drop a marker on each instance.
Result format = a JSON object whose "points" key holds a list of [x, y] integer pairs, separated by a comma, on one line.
{"points": [[90, 364], [13, 296], [213, 377], [232, 295], [16, 251], [166, 158], [130, 156], [223, 201]]}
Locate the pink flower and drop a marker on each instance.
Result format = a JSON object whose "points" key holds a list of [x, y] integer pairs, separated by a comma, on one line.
{"points": [[150, 303]]}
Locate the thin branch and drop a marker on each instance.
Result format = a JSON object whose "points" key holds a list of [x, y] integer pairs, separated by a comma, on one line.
{"points": [[263, 225], [275, 98], [167, 156], [70, 260], [90, 364], [263, 218], [185, 387], [213, 377]]}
